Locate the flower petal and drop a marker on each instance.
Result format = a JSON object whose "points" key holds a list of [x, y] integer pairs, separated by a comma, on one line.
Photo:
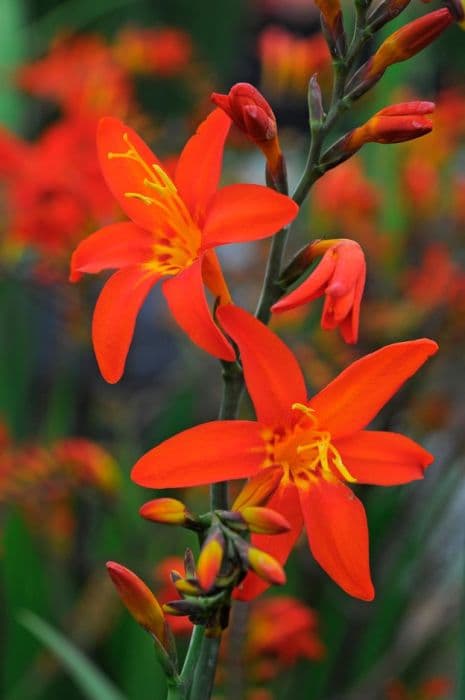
{"points": [[240, 213], [207, 453], [311, 288], [213, 277], [356, 395], [199, 165], [375, 457], [114, 246], [338, 535], [186, 299], [286, 502], [128, 173], [273, 377], [115, 318]]}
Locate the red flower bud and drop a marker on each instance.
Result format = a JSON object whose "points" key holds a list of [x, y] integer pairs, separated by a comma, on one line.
{"points": [[401, 122], [401, 45], [266, 566], [139, 600], [210, 559], [264, 521], [253, 115], [165, 510]]}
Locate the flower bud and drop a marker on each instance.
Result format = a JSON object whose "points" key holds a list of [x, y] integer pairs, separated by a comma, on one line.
{"points": [[259, 488], [315, 103], [401, 45], [252, 114], [401, 122], [385, 12], [265, 566], [168, 511], [139, 600], [331, 23], [210, 560], [264, 521]]}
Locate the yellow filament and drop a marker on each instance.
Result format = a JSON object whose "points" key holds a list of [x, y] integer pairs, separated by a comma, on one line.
{"points": [[326, 453], [166, 198]]}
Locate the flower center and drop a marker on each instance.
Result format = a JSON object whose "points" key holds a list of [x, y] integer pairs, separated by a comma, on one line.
{"points": [[177, 238], [305, 451]]}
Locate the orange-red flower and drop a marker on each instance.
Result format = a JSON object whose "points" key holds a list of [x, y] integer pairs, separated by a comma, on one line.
{"points": [[174, 227], [318, 444], [341, 277]]}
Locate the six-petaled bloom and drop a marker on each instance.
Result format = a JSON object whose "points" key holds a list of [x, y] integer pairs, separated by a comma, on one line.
{"points": [[175, 226], [317, 445], [340, 276]]}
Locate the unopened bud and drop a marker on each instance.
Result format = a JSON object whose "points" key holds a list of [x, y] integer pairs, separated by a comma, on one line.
{"points": [[315, 103], [168, 511], [139, 600], [185, 587], [332, 26], [210, 560], [179, 608], [385, 12], [266, 566], [265, 521], [401, 45], [259, 488], [189, 563], [394, 124], [249, 110]]}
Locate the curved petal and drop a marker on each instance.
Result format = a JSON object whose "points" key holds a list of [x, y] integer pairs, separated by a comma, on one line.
{"points": [[338, 535], [272, 375], [349, 326], [114, 246], [207, 453], [239, 213], [356, 395], [199, 165], [213, 277], [115, 318], [386, 459], [311, 288], [187, 302], [285, 501], [126, 162]]}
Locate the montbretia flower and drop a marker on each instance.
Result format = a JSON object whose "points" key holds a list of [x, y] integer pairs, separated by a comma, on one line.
{"points": [[317, 444], [174, 228], [340, 276]]}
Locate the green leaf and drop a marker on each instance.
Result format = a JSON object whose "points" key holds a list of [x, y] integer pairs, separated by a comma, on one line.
{"points": [[94, 685]]}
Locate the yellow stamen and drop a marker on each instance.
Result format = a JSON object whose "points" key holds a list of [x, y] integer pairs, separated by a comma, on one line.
{"points": [[305, 450], [181, 236]]}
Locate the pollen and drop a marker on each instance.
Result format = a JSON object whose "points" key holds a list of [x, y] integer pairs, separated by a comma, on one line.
{"points": [[305, 451], [177, 238]]}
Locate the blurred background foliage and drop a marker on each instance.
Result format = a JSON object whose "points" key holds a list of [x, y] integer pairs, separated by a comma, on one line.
{"points": [[69, 440]]}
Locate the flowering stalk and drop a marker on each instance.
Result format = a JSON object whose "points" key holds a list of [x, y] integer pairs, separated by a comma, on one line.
{"points": [[180, 244]]}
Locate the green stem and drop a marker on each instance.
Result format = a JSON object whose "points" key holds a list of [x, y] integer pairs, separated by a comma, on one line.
{"points": [[233, 380], [204, 679], [176, 692], [191, 655]]}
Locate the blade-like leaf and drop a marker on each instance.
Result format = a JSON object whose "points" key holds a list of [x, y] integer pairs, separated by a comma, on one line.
{"points": [[94, 685]]}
